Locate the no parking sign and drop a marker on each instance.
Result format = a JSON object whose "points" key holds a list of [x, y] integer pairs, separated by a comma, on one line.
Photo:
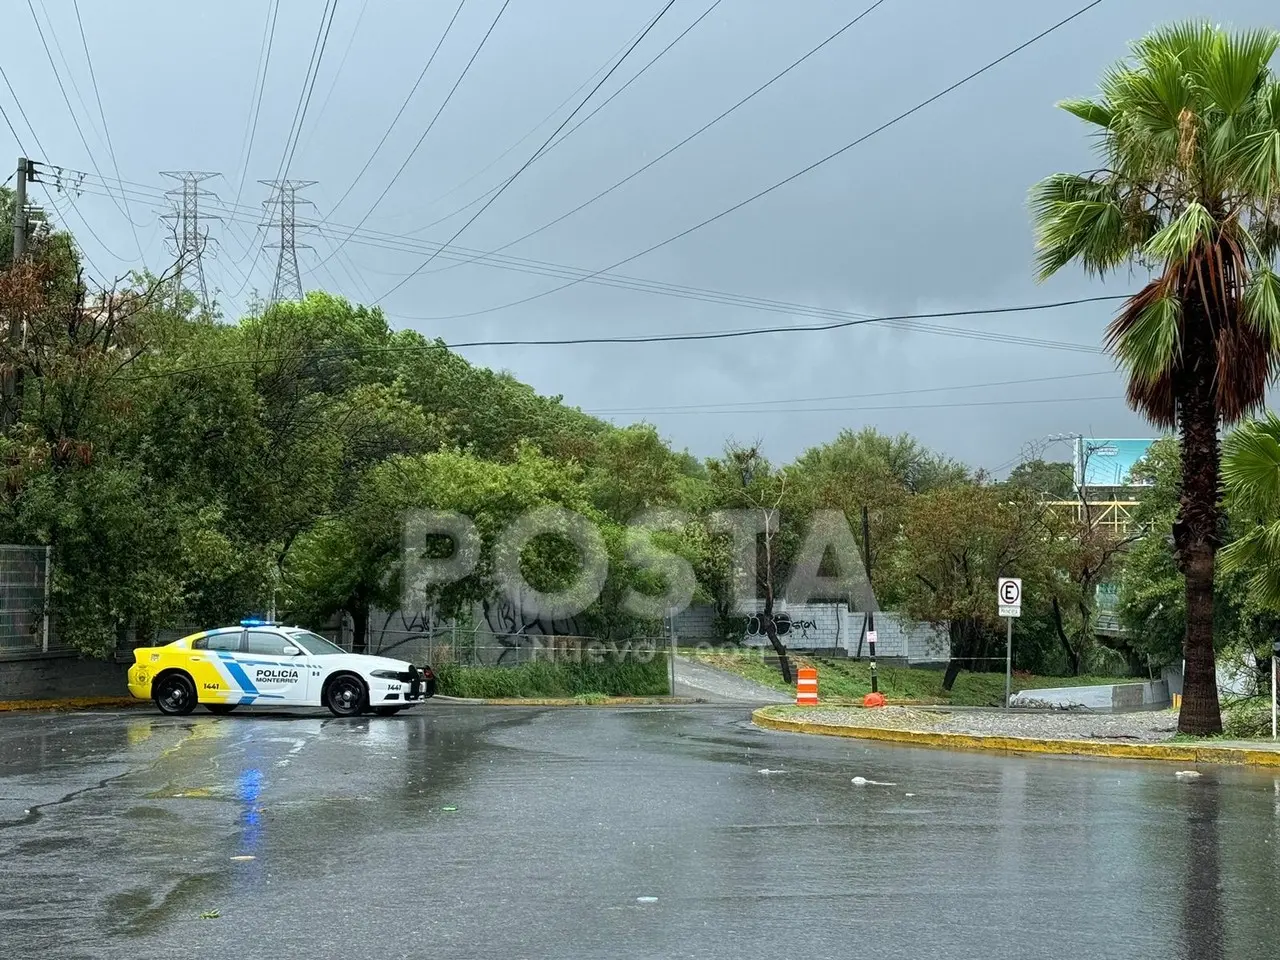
{"points": [[1009, 591]]}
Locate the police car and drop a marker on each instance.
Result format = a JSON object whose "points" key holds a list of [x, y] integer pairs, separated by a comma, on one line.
{"points": [[270, 665]]}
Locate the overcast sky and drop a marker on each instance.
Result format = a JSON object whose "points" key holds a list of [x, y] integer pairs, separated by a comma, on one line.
{"points": [[929, 215]]}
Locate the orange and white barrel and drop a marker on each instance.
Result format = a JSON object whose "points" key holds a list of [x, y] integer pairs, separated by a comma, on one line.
{"points": [[807, 687]]}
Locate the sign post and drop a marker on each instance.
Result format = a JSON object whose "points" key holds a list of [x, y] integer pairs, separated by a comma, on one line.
{"points": [[1275, 652], [1009, 593]]}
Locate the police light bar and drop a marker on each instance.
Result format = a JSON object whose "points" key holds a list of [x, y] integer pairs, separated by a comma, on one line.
{"points": [[254, 622]]}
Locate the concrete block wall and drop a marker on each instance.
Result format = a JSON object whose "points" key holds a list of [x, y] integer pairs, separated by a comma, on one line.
{"points": [[1106, 698], [826, 626], [54, 676]]}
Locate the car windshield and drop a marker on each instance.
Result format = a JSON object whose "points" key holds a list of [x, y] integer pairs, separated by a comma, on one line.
{"points": [[314, 644]]}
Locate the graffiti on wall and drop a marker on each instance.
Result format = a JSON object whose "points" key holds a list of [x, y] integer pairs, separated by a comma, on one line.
{"points": [[784, 625]]}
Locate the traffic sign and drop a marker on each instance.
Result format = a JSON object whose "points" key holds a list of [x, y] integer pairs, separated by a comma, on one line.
{"points": [[1009, 592]]}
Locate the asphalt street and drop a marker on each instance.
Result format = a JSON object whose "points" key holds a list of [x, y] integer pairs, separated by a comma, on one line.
{"points": [[498, 832]]}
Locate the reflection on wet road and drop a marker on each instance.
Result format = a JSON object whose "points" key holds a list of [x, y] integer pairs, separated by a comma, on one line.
{"points": [[512, 832]]}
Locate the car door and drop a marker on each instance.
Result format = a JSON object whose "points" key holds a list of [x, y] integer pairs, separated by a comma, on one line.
{"points": [[276, 677], [216, 681]]}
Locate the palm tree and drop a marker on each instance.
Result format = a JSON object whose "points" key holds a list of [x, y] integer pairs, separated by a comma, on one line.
{"points": [[1189, 134], [1251, 471]]}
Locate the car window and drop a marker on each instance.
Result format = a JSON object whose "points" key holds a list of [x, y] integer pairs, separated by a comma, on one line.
{"points": [[267, 644], [218, 641], [314, 644]]}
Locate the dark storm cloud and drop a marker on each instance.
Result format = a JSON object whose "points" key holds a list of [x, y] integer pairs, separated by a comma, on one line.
{"points": [[930, 215]]}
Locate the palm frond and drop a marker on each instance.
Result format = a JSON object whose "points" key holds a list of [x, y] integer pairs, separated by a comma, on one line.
{"points": [[1257, 553], [1090, 111], [1260, 305], [1233, 66], [1146, 334], [1077, 218], [1251, 466], [1186, 40], [1194, 227]]}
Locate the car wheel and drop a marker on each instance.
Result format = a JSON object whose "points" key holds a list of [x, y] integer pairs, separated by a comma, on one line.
{"points": [[174, 694], [221, 709], [387, 711], [345, 695]]}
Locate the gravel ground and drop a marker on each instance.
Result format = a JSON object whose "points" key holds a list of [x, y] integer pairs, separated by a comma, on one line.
{"points": [[1146, 726]]}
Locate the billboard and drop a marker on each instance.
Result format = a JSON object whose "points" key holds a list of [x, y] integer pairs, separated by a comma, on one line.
{"points": [[1107, 463]]}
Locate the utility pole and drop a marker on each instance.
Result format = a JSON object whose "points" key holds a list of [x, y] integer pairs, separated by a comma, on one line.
{"points": [[871, 617], [20, 213], [283, 208], [13, 377], [189, 241]]}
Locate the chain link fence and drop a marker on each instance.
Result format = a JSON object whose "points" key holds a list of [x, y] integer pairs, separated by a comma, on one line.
{"points": [[24, 594], [479, 648]]}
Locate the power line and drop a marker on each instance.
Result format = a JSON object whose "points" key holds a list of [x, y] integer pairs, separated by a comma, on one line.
{"points": [[537, 153], [666, 153], [714, 407], [106, 130], [448, 97], [529, 133], [636, 76], [897, 406], [79, 248], [641, 285], [331, 6], [16, 139], [71, 110], [22, 113], [399, 113], [781, 183], [669, 338], [568, 133], [69, 192], [364, 5], [300, 111], [255, 98]]}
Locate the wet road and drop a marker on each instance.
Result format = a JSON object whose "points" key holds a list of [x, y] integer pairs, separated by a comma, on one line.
{"points": [[501, 832]]}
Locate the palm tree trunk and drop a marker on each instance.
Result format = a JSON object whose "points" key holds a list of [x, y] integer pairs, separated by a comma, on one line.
{"points": [[1196, 538]]}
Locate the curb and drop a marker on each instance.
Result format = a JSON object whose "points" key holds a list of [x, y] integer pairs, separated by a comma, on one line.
{"points": [[71, 703], [1176, 752]]}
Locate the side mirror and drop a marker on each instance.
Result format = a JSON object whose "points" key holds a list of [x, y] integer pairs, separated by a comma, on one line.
{"points": [[290, 651]]}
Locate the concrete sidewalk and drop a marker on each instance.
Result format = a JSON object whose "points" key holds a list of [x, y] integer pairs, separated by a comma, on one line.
{"points": [[695, 679], [861, 724]]}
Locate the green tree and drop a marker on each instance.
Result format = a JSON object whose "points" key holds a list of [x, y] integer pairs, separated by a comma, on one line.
{"points": [[1189, 136], [1050, 479], [956, 542]]}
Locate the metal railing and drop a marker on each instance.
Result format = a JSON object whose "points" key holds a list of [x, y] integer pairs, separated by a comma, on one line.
{"points": [[24, 595], [485, 649]]}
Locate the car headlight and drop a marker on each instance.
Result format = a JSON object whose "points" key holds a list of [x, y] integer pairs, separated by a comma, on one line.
{"points": [[385, 674]]}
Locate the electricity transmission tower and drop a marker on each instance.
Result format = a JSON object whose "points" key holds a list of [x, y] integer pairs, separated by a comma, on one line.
{"points": [[188, 240], [282, 212]]}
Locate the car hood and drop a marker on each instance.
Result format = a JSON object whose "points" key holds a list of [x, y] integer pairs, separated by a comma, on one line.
{"points": [[364, 662]]}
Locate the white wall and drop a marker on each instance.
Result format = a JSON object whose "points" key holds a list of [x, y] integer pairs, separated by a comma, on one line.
{"points": [[825, 626]]}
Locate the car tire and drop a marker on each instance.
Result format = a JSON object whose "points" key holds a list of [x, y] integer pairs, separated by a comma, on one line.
{"points": [[387, 711], [174, 694], [346, 695], [221, 709]]}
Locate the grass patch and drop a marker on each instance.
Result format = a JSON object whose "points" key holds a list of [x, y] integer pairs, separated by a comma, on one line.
{"points": [[840, 679], [588, 682]]}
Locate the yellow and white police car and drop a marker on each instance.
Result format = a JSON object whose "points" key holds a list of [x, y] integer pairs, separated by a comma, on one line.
{"points": [[269, 665]]}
